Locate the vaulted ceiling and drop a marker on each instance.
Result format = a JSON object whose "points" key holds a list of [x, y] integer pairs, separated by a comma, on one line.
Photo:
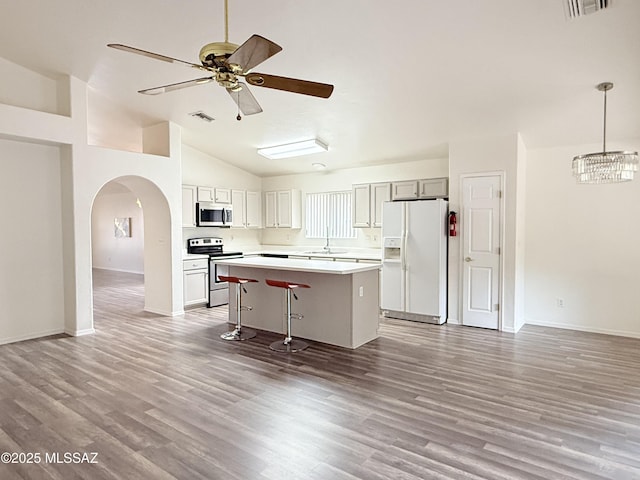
{"points": [[409, 76]]}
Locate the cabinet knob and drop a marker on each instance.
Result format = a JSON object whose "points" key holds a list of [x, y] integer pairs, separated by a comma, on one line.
{"points": [[468, 259]]}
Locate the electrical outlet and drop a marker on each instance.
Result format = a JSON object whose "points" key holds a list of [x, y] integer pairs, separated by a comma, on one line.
{"points": [[375, 238], [361, 291], [560, 302]]}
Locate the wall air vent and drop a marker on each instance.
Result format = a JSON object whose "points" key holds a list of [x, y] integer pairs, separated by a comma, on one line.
{"points": [[579, 8], [202, 116]]}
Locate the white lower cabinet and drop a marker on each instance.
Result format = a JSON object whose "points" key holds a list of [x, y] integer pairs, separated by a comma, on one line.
{"points": [[195, 281]]}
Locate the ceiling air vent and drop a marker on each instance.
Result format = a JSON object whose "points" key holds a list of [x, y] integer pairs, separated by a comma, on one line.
{"points": [[202, 116], [579, 8]]}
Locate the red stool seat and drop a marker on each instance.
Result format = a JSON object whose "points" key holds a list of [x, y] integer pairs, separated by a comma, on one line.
{"points": [[283, 284], [225, 278]]}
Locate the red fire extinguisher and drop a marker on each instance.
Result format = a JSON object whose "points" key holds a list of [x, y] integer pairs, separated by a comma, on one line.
{"points": [[452, 224]]}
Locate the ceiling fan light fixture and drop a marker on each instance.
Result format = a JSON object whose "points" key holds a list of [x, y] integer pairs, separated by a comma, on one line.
{"points": [[296, 149], [605, 167]]}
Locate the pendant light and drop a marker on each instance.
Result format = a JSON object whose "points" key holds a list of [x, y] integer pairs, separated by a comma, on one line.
{"points": [[605, 167]]}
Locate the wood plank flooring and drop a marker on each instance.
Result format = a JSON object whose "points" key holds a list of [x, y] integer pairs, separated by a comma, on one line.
{"points": [[166, 398]]}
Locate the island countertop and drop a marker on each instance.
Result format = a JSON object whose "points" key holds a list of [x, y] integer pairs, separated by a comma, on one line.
{"points": [[301, 265]]}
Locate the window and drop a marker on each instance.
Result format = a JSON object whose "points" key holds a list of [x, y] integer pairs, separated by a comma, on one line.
{"points": [[329, 214]]}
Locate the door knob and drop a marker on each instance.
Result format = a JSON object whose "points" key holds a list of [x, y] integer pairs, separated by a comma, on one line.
{"points": [[468, 259]]}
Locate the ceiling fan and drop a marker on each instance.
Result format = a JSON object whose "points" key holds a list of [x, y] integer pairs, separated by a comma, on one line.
{"points": [[227, 62]]}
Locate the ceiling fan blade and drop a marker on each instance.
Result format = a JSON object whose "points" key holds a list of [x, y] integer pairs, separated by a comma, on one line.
{"points": [[176, 86], [156, 56], [253, 52], [294, 85], [247, 103]]}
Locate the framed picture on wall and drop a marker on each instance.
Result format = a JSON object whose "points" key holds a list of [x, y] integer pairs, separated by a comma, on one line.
{"points": [[122, 227]]}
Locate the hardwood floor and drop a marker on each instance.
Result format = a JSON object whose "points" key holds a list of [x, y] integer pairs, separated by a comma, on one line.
{"points": [[164, 398]]}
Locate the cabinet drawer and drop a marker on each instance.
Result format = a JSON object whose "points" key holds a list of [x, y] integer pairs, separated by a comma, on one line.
{"points": [[195, 264]]}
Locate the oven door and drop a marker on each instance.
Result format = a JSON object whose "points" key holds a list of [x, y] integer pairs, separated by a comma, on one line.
{"points": [[218, 290]]}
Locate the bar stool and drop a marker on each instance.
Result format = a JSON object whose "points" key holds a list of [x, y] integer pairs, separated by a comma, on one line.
{"points": [[238, 333], [289, 345]]}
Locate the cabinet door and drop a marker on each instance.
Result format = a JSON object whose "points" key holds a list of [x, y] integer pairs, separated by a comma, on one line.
{"points": [[270, 202], [206, 194], [222, 195], [361, 210], [380, 193], [195, 287], [254, 210], [283, 219], [434, 188], [404, 190], [189, 196], [239, 208]]}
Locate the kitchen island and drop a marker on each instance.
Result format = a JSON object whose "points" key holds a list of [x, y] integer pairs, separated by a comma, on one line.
{"points": [[340, 308]]}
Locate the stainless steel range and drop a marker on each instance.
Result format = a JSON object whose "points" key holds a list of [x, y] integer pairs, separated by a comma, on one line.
{"points": [[213, 246]]}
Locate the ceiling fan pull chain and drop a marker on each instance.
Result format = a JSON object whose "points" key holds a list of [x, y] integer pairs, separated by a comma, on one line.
{"points": [[238, 117]]}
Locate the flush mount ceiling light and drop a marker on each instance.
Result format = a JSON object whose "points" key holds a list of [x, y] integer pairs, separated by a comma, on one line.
{"points": [[605, 167], [296, 149], [318, 166]]}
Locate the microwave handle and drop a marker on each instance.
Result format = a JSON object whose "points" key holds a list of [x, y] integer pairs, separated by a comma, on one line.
{"points": [[227, 216]]}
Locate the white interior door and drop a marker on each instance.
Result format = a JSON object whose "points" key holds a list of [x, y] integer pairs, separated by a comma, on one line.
{"points": [[481, 251]]}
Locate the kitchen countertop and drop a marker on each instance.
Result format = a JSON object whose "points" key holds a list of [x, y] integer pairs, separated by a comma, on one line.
{"points": [[301, 265], [193, 256], [317, 252]]}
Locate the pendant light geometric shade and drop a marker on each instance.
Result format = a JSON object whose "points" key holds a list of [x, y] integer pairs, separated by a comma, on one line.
{"points": [[605, 167]]}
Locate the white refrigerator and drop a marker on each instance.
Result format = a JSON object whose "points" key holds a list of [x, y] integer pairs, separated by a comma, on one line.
{"points": [[414, 260]]}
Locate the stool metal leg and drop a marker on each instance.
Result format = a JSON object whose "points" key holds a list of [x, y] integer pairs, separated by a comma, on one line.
{"points": [[288, 345], [238, 333]]}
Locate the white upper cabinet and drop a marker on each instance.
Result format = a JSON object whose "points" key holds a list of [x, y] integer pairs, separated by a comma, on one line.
{"points": [[253, 206], [434, 188], [283, 209], [189, 198], [222, 195], [367, 200], [214, 195], [380, 193], [238, 202], [360, 206], [404, 190], [206, 194]]}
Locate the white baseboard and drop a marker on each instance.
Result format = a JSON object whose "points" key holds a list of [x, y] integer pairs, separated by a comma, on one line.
{"points": [[164, 313], [453, 321], [79, 333], [31, 336], [117, 270], [567, 326]]}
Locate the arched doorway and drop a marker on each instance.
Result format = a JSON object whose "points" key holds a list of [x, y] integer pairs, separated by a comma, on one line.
{"points": [[130, 232]]}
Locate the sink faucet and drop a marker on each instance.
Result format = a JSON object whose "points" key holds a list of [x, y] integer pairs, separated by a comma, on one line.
{"points": [[327, 248]]}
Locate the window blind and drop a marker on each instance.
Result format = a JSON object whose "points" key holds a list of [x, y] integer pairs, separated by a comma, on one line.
{"points": [[329, 214]]}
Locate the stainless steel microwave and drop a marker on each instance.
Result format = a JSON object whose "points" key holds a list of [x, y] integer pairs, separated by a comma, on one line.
{"points": [[213, 215]]}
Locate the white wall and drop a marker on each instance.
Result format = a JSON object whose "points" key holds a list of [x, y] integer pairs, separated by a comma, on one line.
{"points": [[31, 245], [343, 180], [582, 246], [201, 169], [24, 88], [494, 154], [124, 254], [110, 125]]}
